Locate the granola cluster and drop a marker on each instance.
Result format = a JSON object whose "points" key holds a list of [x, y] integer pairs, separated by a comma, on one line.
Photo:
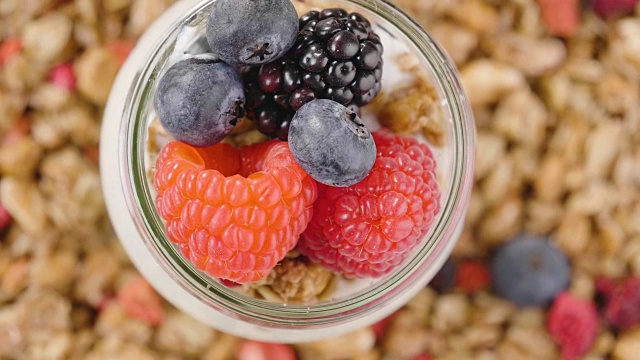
{"points": [[555, 96]]}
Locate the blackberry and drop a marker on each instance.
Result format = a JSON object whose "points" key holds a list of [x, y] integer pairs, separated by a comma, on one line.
{"points": [[336, 56]]}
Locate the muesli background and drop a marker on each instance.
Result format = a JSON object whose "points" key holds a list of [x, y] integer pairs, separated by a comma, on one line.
{"points": [[555, 88]]}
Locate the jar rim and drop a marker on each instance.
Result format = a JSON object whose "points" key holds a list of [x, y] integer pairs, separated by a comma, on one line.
{"points": [[140, 205]]}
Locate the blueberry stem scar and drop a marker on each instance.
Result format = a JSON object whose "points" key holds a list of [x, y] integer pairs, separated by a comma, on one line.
{"points": [[260, 51]]}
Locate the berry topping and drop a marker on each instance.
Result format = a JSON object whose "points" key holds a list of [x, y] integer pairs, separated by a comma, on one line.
{"points": [[622, 302], [336, 56], [331, 143], [573, 323], [233, 214], [250, 32], [472, 276], [369, 228], [199, 101], [529, 270]]}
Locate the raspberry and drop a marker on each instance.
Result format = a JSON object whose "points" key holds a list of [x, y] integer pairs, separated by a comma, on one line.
{"points": [[622, 302], [573, 323], [473, 276], [367, 229], [233, 214]]}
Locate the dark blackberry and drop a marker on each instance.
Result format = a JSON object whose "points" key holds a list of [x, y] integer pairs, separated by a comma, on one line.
{"points": [[336, 56]]}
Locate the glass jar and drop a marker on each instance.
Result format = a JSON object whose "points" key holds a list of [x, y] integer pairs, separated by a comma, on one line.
{"points": [[130, 198]]}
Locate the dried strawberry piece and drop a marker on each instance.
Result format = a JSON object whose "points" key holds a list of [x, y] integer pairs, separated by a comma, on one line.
{"points": [[120, 49], [63, 76], [140, 301], [622, 302], [19, 130], [8, 48], [472, 276], [560, 17], [423, 357], [380, 328], [256, 350], [573, 323], [5, 217]]}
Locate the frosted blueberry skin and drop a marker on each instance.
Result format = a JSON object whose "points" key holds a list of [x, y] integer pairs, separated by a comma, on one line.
{"points": [[331, 143], [198, 101], [251, 32], [530, 271]]}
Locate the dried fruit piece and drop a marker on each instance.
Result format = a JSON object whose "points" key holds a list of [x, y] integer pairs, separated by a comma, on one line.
{"points": [[5, 217], [8, 48], [622, 302], [369, 228], [561, 18], [611, 8], [445, 279], [256, 350], [139, 300], [473, 275], [233, 214], [573, 323], [63, 76], [120, 49]]}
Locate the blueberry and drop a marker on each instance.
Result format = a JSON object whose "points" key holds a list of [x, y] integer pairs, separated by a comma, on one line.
{"points": [[530, 271], [331, 143], [251, 32], [198, 101]]}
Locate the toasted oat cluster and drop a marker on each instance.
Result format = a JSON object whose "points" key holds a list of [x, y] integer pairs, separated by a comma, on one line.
{"points": [[555, 96]]}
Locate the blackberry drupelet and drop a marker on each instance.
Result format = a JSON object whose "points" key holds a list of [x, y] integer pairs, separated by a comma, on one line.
{"points": [[336, 56]]}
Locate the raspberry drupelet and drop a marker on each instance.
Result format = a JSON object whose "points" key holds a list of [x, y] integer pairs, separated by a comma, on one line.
{"points": [[233, 213], [369, 228]]}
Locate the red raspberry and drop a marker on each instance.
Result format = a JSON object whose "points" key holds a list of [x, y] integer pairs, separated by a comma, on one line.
{"points": [[622, 310], [573, 323], [472, 276], [234, 214], [368, 229]]}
